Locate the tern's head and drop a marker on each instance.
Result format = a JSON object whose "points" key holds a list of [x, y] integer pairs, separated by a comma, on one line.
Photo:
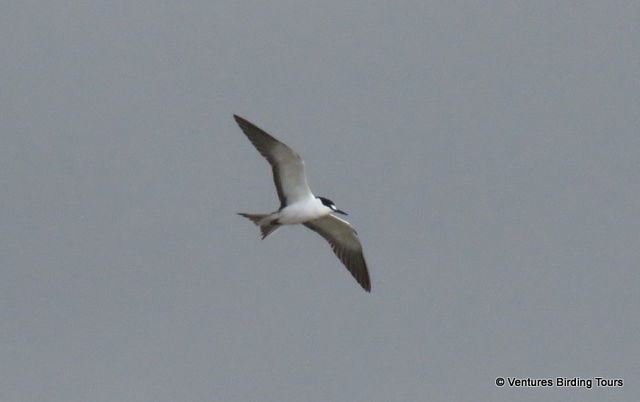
{"points": [[329, 204]]}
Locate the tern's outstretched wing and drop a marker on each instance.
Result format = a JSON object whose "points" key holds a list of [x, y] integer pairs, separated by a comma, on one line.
{"points": [[287, 166], [345, 244]]}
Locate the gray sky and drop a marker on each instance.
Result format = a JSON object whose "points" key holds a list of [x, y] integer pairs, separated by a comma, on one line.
{"points": [[488, 154]]}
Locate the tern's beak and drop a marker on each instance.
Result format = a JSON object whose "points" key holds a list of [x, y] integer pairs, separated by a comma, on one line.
{"points": [[341, 212]]}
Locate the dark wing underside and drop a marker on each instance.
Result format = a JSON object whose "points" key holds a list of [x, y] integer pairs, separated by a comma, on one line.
{"points": [[344, 242], [288, 167]]}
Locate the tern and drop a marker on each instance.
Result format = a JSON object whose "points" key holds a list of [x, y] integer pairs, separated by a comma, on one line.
{"points": [[298, 205]]}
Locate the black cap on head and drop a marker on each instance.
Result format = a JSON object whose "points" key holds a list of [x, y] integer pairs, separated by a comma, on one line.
{"points": [[328, 203]]}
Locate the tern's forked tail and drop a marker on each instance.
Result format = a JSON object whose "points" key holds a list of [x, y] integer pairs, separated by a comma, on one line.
{"points": [[267, 226]]}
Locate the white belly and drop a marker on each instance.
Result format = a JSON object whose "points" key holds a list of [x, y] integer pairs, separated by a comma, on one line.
{"points": [[302, 211]]}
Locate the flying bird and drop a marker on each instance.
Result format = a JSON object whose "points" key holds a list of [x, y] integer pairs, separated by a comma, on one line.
{"points": [[298, 205]]}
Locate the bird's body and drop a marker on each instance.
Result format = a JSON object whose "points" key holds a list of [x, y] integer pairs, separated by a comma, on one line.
{"points": [[302, 211], [298, 205]]}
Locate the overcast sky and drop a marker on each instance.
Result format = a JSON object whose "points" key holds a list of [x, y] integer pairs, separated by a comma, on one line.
{"points": [[488, 154]]}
